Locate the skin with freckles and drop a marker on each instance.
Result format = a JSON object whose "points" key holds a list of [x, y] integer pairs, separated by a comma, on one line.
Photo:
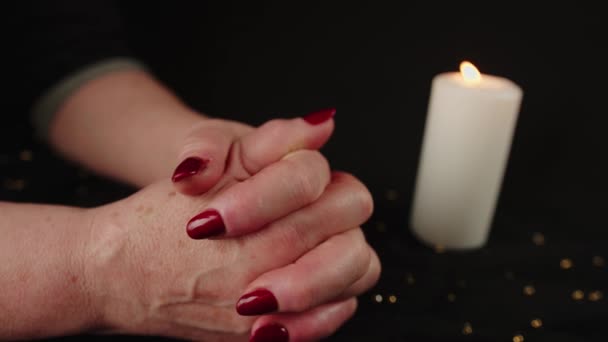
{"points": [[150, 278], [139, 273], [131, 267]]}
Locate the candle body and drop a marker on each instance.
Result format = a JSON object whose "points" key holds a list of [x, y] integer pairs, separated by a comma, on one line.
{"points": [[466, 144]]}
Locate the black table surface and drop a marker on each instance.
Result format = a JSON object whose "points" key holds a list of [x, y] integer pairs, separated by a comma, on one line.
{"points": [[543, 276]]}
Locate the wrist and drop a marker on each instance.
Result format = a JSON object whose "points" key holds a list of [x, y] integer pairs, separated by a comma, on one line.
{"points": [[88, 283], [165, 144], [109, 267], [121, 124], [45, 290]]}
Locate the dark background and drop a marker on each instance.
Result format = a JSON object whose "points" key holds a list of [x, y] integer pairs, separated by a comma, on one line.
{"points": [[374, 63]]}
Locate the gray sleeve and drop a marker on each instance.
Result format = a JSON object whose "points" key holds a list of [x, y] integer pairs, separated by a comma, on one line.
{"points": [[47, 105]]}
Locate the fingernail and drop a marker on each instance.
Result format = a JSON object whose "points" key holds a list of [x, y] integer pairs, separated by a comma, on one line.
{"points": [[257, 302], [189, 167], [319, 117], [206, 224], [270, 333]]}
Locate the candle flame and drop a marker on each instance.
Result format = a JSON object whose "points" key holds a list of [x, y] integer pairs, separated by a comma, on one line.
{"points": [[469, 73]]}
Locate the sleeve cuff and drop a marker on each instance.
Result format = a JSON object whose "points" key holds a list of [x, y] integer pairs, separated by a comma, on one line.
{"points": [[47, 105]]}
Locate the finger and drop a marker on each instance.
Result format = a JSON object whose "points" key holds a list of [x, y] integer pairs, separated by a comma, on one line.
{"points": [[276, 138], [206, 152], [287, 185], [203, 155], [312, 325], [345, 203], [318, 277], [369, 279]]}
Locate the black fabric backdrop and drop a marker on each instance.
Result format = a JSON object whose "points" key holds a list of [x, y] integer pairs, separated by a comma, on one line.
{"points": [[374, 63]]}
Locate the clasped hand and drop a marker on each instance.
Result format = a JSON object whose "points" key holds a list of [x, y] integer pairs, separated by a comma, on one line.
{"points": [[257, 235]]}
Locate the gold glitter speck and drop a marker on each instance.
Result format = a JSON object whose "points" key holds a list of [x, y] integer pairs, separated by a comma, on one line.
{"points": [[578, 295], [439, 249], [536, 323], [598, 261], [538, 239], [566, 264], [467, 329], [594, 296], [378, 298], [451, 297], [518, 338], [392, 299], [529, 290]]}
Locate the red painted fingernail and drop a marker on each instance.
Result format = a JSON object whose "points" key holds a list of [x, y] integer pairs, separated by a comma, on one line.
{"points": [[270, 333], [206, 224], [257, 302], [189, 167], [319, 117]]}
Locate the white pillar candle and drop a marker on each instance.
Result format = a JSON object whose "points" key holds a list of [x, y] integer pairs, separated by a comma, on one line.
{"points": [[469, 128]]}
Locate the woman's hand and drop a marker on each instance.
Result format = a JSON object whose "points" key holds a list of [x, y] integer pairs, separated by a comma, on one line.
{"points": [[301, 272], [147, 277], [205, 149], [128, 126]]}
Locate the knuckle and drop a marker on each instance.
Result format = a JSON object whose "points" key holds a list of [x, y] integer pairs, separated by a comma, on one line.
{"points": [[304, 179], [306, 299], [305, 189], [363, 200], [249, 165], [326, 330], [312, 159], [358, 253], [375, 268], [301, 236], [348, 308], [319, 161], [274, 127], [296, 236], [201, 139], [362, 254]]}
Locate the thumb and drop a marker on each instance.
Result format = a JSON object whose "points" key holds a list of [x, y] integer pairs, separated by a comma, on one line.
{"points": [[203, 155], [277, 138]]}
